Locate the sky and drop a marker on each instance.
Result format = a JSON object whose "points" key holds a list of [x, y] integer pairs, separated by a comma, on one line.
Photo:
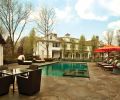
{"points": [[80, 17]]}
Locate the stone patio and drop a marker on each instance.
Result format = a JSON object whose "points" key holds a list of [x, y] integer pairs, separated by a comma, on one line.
{"points": [[102, 85]]}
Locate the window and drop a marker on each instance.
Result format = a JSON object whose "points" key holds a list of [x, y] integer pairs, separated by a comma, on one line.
{"points": [[51, 37], [56, 44]]}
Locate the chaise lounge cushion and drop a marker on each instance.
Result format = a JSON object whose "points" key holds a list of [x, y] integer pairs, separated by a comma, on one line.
{"points": [[24, 62]]}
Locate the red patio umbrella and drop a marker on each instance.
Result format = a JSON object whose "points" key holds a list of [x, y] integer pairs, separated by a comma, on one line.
{"points": [[109, 48], [98, 50]]}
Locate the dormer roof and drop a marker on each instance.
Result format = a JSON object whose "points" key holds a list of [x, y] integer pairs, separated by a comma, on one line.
{"points": [[2, 41]]}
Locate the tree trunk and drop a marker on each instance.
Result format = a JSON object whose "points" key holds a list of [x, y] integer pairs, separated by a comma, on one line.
{"points": [[13, 50], [47, 50]]}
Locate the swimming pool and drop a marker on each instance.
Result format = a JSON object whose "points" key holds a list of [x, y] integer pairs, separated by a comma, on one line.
{"points": [[66, 70]]}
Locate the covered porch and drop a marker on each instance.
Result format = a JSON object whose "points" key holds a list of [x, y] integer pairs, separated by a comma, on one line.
{"points": [[76, 55]]}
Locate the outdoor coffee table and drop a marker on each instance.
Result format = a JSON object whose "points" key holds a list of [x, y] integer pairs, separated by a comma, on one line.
{"points": [[15, 72]]}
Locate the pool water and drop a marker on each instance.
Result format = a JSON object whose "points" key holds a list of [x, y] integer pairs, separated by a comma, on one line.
{"points": [[66, 70]]}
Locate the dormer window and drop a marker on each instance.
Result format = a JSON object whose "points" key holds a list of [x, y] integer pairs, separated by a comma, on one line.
{"points": [[55, 35], [56, 44], [51, 37]]}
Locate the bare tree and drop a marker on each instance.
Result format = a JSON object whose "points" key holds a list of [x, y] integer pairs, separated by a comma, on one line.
{"points": [[118, 37], [13, 16], [45, 24], [1, 30], [109, 37]]}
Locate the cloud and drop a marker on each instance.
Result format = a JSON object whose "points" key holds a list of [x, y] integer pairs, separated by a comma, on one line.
{"points": [[113, 6], [61, 15], [34, 15], [84, 9], [65, 14], [114, 25]]}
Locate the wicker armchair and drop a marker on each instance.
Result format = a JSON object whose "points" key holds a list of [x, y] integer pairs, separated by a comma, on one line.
{"points": [[5, 81], [31, 84], [3, 67]]}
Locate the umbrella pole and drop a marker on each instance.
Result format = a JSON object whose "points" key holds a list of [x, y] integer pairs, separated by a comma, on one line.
{"points": [[108, 54], [102, 55]]}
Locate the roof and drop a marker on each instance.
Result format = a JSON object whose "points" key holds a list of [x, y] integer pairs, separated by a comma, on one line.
{"points": [[2, 41]]}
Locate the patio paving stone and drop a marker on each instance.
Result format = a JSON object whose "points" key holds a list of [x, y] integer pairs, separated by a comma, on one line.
{"points": [[102, 85]]}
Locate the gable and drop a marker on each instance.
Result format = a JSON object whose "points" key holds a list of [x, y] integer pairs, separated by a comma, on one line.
{"points": [[2, 41]]}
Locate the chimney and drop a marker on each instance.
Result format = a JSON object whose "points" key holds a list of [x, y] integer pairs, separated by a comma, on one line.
{"points": [[67, 35]]}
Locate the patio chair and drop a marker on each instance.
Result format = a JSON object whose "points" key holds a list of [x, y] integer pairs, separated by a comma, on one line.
{"points": [[5, 82], [33, 67], [3, 67], [31, 84]]}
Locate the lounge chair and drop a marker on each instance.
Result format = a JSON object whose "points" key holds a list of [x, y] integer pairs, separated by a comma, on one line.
{"points": [[104, 61], [110, 67], [38, 60], [22, 61], [31, 84], [108, 63]]}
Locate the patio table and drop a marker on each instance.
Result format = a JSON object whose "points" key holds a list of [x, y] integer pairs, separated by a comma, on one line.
{"points": [[15, 72]]}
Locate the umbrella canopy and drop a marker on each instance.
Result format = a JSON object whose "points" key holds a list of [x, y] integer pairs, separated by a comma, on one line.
{"points": [[98, 50], [108, 48]]}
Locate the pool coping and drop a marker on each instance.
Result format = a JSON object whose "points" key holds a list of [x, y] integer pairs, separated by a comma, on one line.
{"points": [[41, 65]]}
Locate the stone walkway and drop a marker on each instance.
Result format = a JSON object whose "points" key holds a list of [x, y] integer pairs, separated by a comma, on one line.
{"points": [[102, 85]]}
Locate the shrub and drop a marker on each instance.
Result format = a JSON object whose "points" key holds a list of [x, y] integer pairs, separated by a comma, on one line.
{"points": [[48, 59], [76, 60], [9, 61], [28, 56]]}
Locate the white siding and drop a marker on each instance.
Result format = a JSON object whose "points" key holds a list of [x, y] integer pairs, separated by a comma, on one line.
{"points": [[1, 54], [41, 47]]}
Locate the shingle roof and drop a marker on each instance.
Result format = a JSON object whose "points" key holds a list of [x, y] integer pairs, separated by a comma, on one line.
{"points": [[2, 41]]}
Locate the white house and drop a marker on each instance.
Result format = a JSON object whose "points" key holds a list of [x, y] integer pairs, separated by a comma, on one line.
{"points": [[2, 41], [56, 47]]}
